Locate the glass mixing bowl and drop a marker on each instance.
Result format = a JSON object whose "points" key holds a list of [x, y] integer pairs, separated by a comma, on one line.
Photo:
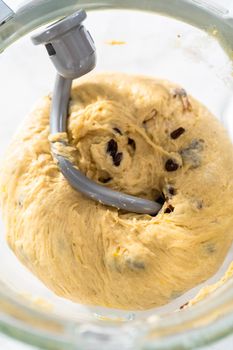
{"points": [[153, 43]]}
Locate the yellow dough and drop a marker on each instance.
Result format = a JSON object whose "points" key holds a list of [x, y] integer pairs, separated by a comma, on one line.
{"points": [[141, 136]]}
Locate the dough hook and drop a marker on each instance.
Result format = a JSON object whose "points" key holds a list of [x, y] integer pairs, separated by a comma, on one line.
{"points": [[72, 51]]}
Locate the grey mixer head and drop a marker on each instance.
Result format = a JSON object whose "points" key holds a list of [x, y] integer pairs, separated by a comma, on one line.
{"points": [[69, 45]]}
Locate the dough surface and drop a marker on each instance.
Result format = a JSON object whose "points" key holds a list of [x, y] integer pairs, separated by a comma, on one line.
{"points": [[135, 134]]}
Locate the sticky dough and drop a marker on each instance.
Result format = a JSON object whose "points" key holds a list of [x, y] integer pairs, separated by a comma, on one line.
{"points": [[171, 150]]}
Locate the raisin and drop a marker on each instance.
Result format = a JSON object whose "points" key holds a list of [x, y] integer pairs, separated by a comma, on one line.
{"points": [[112, 148], [171, 191], [169, 209], [182, 94], [132, 143], [171, 165], [105, 180], [183, 306], [177, 133], [117, 158], [118, 131], [199, 204]]}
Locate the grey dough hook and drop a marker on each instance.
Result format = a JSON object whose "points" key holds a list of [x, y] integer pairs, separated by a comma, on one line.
{"points": [[72, 51]]}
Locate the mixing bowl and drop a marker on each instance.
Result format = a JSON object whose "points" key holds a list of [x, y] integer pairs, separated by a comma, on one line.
{"points": [[186, 41]]}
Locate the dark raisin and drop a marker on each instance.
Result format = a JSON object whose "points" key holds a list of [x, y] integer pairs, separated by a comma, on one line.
{"points": [[117, 158], [105, 180], [118, 131], [112, 148], [161, 199], [132, 143], [171, 165], [169, 209], [171, 191], [177, 133], [183, 306]]}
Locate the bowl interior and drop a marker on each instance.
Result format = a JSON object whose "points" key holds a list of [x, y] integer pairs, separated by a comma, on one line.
{"points": [[145, 43]]}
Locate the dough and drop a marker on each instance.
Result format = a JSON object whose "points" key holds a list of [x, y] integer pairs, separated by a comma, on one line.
{"points": [[138, 135]]}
